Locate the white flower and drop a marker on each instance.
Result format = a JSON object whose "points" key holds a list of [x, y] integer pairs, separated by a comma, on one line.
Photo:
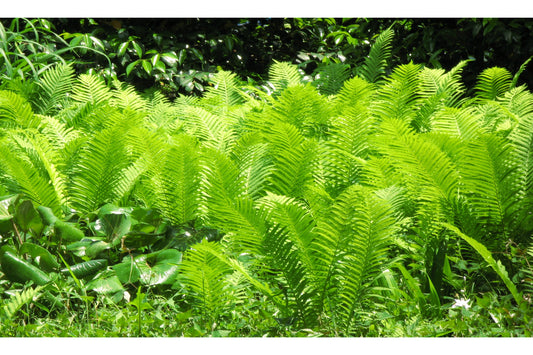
{"points": [[461, 302]]}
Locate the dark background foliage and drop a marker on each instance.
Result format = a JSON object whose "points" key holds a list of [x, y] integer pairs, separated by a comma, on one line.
{"points": [[178, 54]]}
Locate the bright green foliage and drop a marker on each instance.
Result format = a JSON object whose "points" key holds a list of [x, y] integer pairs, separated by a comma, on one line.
{"points": [[329, 207]]}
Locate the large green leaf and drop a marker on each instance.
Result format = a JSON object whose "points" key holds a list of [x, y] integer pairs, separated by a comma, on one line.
{"points": [[27, 218], [17, 269], [113, 221], [150, 269], [40, 256]]}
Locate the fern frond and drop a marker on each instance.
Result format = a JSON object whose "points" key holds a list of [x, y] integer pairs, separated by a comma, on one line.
{"points": [[461, 123], [438, 90], [19, 299], [520, 71], [428, 170], [283, 75], [356, 92], [30, 165], [230, 209], [212, 130], [252, 155], [90, 89], [492, 83], [447, 86], [174, 180], [56, 83], [293, 157], [225, 90], [519, 101], [204, 275], [330, 78], [399, 94], [16, 112], [95, 177], [125, 97], [489, 179], [347, 147], [291, 276], [352, 248], [302, 107], [373, 70]]}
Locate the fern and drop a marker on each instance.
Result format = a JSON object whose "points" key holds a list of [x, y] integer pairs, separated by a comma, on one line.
{"points": [[351, 251], [95, 178], [125, 97], [373, 70], [252, 155], [428, 170], [287, 246], [174, 180], [212, 130], [30, 165], [355, 93], [301, 106], [230, 209], [90, 89], [55, 83], [225, 90], [520, 71], [489, 180], [19, 299], [330, 78], [293, 157], [438, 90], [204, 275], [347, 147], [16, 112], [492, 83], [461, 123], [283, 75], [522, 155], [399, 95]]}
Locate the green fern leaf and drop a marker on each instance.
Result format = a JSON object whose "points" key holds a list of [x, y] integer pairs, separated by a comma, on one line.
{"points": [[213, 130], [429, 172], [399, 96], [230, 209], [492, 83], [283, 75], [489, 180], [330, 78], [225, 90], [352, 250], [373, 69], [125, 97], [204, 275], [174, 180], [95, 177], [56, 83], [293, 157], [287, 246], [355, 92], [16, 112], [252, 155], [19, 299], [460, 123], [30, 165], [90, 89]]}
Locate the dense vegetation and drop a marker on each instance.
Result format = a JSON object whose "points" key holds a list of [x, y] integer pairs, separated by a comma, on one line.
{"points": [[390, 203], [180, 55]]}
